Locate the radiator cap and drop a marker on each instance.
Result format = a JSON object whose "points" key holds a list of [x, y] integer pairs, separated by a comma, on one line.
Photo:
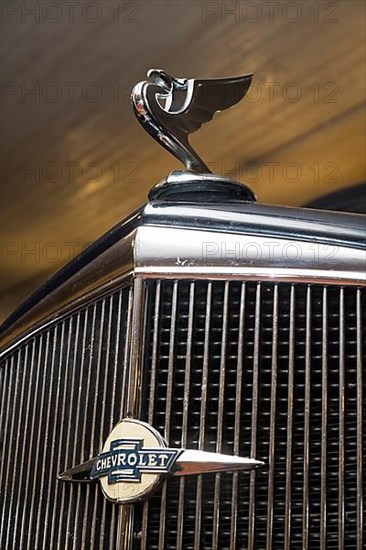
{"points": [[190, 187]]}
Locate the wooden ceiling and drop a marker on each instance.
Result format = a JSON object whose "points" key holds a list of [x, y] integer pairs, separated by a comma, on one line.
{"points": [[75, 161]]}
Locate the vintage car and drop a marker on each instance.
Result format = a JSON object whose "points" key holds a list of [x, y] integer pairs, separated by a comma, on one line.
{"points": [[195, 378]]}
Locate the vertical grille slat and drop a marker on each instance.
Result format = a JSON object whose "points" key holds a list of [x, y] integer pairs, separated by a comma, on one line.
{"points": [[64, 360], [259, 366], [186, 397], [32, 431], [324, 425], [58, 351], [220, 417], [8, 440], [289, 426], [106, 372], [201, 442], [70, 398], [272, 434], [56, 384], [32, 533], [307, 405], [154, 359], [91, 500], [360, 339], [168, 410], [74, 508], [341, 399], [254, 418], [49, 391], [3, 416], [238, 398], [17, 427]]}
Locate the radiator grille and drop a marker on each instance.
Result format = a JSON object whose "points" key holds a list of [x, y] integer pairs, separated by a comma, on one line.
{"points": [[272, 371], [61, 394], [223, 372]]}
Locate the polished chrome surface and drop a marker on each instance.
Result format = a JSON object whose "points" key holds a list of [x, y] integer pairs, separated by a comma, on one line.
{"points": [[206, 241], [170, 109], [209, 254], [186, 462], [79, 473], [195, 462]]}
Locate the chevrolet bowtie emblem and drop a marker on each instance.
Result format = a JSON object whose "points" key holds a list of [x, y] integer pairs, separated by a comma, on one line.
{"points": [[135, 456]]}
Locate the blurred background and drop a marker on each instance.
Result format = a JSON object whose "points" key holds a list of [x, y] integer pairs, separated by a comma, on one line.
{"points": [[74, 159]]}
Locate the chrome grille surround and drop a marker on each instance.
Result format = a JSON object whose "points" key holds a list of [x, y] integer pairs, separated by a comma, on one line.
{"points": [[181, 261]]}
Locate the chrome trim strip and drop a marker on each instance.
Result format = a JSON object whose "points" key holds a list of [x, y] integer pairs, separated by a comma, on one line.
{"points": [[350, 278], [180, 249], [283, 222]]}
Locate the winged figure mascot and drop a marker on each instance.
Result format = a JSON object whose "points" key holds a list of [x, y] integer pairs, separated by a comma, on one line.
{"points": [[171, 109]]}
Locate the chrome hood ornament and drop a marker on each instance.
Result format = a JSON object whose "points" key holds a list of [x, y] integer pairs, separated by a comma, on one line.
{"points": [[171, 109], [135, 457]]}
